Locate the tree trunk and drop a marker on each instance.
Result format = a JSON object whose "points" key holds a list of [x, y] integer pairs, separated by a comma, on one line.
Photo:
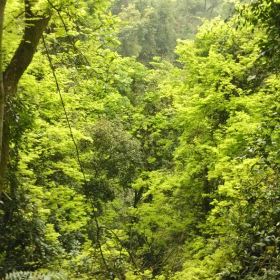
{"points": [[2, 92], [34, 28]]}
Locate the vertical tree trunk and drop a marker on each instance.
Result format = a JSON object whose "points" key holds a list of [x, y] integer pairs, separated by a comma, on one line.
{"points": [[2, 91]]}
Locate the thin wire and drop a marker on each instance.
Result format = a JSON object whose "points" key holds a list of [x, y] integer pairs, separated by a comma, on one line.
{"points": [[98, 228], [64, 108]]}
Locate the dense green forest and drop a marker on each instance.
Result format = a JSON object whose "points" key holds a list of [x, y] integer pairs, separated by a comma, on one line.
{"points": [[139, 139]]}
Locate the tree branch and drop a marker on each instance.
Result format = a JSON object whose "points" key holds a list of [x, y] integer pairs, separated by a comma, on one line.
{"points": [[34, 28]]}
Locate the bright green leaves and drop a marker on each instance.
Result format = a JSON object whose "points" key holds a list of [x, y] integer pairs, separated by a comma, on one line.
{"points": [[169, 172], [223, 165]]}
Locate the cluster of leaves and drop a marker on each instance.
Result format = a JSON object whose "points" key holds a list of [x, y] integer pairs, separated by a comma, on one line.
{"points": [[26, 275], [265, 14]]}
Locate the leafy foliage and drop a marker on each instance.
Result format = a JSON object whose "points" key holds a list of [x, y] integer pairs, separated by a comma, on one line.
{"points": [[122, 171], [151, 28]]}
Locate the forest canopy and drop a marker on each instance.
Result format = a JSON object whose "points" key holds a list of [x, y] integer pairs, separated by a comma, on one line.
{"points": [[139, 140]]}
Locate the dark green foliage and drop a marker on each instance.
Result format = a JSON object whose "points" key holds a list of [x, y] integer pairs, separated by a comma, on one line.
{"points": [[265, 14]]}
